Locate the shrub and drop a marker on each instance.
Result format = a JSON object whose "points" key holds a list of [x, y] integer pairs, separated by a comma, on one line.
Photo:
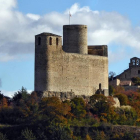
{"points": [[122, 98], [111, 90], [78, 107], [3, 137], [88, 137], [28, 134]]}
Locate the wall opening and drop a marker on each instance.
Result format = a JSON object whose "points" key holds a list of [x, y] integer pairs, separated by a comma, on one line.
{"points": [[138, 71], [50, 41], [56, 41], [39, 41]]}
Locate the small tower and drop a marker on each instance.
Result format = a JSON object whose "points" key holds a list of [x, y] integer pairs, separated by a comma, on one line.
{"points": [[45, 45], [75, 39]]}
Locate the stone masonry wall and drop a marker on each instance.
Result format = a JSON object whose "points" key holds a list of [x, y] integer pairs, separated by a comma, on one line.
{"points": [[75, 39], [41, 59], [78, 73], [100, 50], [129, 73]]}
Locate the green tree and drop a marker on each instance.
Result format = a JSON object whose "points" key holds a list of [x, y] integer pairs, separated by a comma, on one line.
{"points": [[78, 107], [27, 135], [112, 75], [99, 104], [136, 80], [128, 136], [103, 107], [122, 98], [3, 137], [21, 94], [111, 90], [59, 132]]}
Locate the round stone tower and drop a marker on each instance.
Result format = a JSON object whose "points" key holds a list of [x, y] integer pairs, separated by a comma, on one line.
{"points": [[75, 39]]}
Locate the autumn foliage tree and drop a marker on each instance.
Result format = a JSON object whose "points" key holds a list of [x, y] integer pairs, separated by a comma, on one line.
{"points": [[4, 102], [52, 109], [103, 107], [133, 100]]}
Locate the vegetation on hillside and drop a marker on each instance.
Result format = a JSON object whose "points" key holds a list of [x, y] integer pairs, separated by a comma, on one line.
{"points": [[33, 118], [136, 81]]}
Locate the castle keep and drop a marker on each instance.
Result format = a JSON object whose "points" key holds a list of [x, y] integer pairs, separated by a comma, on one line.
{"points": [[73, 67]]}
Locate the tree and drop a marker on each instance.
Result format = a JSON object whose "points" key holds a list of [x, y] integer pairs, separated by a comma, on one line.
{"points": [[119, 89], [136, 80], [99, 104], [4, 102], [27, 135], [21, 94], [133, 100], [78, 107], [3, 137], [111, 75], [53, 109], [122, 98], [111, 90], [1, 95], [59, 132]]}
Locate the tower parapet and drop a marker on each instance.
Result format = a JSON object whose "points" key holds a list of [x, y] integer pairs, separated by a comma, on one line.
{"points": [[75, 39]]}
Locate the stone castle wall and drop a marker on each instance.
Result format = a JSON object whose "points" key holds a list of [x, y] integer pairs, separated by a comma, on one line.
{"points": [[100, 50], [41, 59], [129, 73], [75, 39], [79, 73]]}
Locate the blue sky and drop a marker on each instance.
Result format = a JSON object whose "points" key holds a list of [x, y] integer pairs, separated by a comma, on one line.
{"points": [[110, 22]]}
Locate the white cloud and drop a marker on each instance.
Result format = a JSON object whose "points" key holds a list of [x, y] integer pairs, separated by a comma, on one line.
{"points": [[33, 16], [7, 4], [17, 30], [11, 93], [76, 8], [8, 93], [6, 57]]}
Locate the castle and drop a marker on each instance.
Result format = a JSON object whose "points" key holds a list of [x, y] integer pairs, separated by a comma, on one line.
{"points": [[74, 67]]}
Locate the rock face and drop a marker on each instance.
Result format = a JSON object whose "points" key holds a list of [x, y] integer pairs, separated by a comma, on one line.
{"points": [[61, 95], [71, 68], [117, 102]]}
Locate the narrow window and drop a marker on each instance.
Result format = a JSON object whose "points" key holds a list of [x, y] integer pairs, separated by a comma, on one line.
{"points": [[50, 41], [56, 41], [138, 71], [125, 75], [39, 41]]}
